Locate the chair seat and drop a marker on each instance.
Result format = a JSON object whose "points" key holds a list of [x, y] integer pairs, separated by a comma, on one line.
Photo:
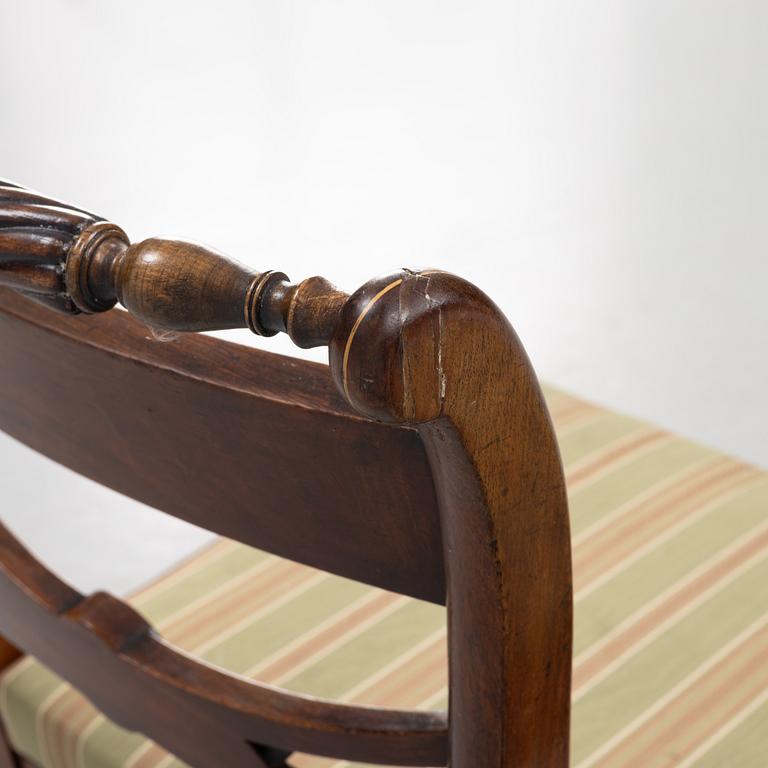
{"points": [[670, 547]]}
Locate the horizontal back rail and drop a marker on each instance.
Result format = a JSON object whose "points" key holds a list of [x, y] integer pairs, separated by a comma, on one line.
{"points": [[206, 716], [252, 445]]}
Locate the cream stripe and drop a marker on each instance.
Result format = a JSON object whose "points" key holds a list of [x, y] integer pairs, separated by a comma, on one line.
{"points": [[663, 626], [592, 559], [66, 719], [437, 696], [366, 309], [629, 453], [724, 730], [6, 680], [685, 683], [208, 597], [161, 758], [668, 483], [279, 601], [239, 604], [142, 750], [340, 641], [404, 658], [143, 757], [698, 711], [334, 618], [698, 718], [719, 556], [40, 722], [665, 536], [167, 760], [586, 419], [8, 676], [305, 760], [604, 450], [206, 555], [432, 700], [83, 736], [43, 723]]}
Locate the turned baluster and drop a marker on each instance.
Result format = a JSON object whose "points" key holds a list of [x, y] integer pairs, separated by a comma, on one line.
{"points": [[77, 262]]}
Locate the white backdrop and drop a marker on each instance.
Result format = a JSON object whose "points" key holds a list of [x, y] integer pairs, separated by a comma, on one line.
{"points": [[599, 168]]}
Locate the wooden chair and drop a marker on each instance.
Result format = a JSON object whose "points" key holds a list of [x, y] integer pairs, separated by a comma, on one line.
{"points": [[422, 461]]}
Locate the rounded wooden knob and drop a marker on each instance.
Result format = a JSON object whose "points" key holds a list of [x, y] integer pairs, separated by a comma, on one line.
{"points": [[386, 353]]}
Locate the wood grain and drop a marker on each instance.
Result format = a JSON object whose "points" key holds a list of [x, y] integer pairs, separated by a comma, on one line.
{"points": [[251, 445], [200, 713], [8, 654], [432, 470], [433, 350]]}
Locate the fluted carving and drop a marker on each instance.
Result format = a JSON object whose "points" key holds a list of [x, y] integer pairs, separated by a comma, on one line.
{"points": [[36, 234]]}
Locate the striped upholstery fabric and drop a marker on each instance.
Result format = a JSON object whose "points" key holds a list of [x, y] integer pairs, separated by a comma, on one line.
{"points": [[671, 646]]}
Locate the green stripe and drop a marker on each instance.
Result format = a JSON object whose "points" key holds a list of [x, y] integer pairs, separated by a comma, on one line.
{"points": [[605, 430], [668, 563], [110, 745], [157, 606], [265, 636], [23, 698], [631, 479], [746, 746], [379, 645], [648, 675]]}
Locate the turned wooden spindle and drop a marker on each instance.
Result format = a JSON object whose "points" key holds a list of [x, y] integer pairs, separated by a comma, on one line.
{"points": [[77, 262]]}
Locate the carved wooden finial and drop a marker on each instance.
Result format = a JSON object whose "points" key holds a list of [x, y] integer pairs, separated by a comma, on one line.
{"points": [[78, 262]]}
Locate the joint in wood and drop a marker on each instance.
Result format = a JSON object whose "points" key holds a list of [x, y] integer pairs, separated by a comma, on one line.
{"points": [[262, 303], [91, 266]]}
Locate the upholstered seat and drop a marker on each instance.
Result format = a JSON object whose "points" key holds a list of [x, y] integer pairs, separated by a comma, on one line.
{"points": [[671, 637]]}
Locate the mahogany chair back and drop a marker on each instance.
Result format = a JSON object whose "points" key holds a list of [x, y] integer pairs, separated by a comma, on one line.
{"points": [[421, 460]]}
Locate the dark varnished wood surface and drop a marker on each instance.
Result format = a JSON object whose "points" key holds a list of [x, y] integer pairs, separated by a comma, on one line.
{"points": [[255, 446], [434, 351], [432, 466], [8, 654], [74, 261], [203, 715], [36, 234]]}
